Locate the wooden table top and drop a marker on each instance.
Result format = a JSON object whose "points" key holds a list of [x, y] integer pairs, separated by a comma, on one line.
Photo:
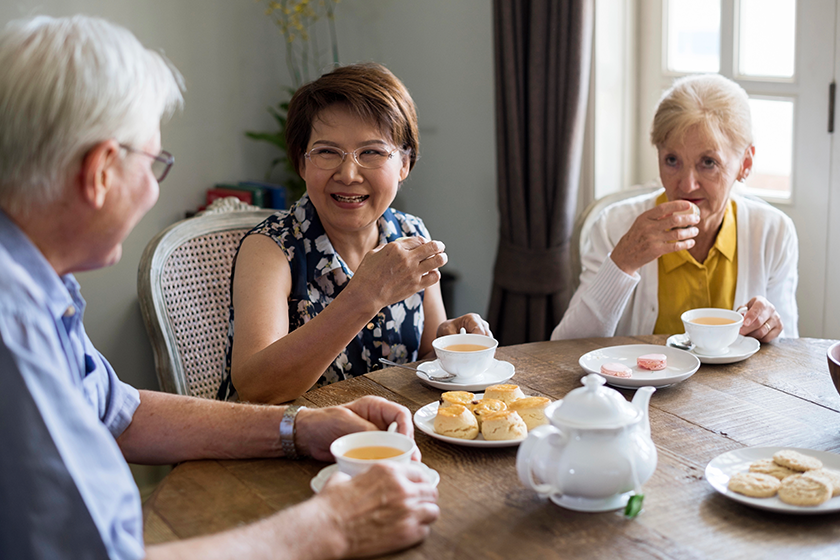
{"points": [[782, 396]]}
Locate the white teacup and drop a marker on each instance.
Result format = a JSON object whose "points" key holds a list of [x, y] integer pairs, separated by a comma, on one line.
{"points": [[362, 442], [466, 355], [712, 330]]}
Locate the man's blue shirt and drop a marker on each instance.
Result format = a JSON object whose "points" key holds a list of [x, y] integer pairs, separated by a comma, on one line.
{"points": [[65, 488]]}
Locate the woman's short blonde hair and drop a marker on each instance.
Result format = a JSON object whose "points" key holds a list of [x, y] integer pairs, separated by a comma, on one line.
{"points": [[715, 105]]}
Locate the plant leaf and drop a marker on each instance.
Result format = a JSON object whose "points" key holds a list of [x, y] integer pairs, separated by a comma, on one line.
{"points": [[634, 506]]}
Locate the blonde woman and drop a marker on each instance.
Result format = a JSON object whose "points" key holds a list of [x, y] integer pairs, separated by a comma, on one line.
{"points": [[650, 258]]}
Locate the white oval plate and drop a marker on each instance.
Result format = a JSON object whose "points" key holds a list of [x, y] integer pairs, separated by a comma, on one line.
{"points": [[721, 468], [681, 365], [424, 419], [317, 483], [499, 372], [741, 349]]}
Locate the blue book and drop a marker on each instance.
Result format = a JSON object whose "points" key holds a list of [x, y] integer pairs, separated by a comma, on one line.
{"points": [[275, 194]]}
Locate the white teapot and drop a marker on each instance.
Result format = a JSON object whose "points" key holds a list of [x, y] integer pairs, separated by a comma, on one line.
{"points": [[596, 453]]}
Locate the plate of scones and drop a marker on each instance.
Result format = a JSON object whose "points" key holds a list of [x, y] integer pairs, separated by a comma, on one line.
{"points": [[499, 417], [781, 479]]}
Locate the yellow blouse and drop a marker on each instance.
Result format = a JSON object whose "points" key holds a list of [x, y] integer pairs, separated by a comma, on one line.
{"points": [[686, 284]]}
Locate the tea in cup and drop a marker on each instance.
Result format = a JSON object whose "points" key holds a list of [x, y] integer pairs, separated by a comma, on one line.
{"points": [[466, 355], [712, 330], [355, 453]]}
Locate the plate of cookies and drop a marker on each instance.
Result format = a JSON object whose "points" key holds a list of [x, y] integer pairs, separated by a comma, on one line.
{"points": [[782, 479], [641, 365], [499, 417]]}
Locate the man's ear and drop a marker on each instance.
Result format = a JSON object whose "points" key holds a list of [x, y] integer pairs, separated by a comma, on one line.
{"points": [[100, 170]]}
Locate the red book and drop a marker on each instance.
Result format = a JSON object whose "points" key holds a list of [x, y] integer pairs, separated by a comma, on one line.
{"points": [[244, 196]]}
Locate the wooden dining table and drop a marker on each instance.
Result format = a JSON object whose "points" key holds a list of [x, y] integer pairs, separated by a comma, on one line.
{"points": [[781, 396]]}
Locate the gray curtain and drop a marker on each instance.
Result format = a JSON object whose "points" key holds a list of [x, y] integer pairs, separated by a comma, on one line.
{"points": [[542, 54]]}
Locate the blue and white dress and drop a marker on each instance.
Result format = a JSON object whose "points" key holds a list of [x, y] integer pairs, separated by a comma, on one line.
{"points": [[318, 276]]}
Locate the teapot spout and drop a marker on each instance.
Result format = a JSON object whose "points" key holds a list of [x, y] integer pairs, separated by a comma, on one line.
{"points": [[642, 401]]}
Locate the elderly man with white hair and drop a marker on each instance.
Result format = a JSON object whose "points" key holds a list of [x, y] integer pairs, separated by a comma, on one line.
{"points": [[81, 102]]}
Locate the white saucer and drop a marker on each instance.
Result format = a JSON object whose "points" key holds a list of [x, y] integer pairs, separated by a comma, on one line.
{"points": [[681, 365], [619, 501], [741, 349], [317, 483], [499, 372]]}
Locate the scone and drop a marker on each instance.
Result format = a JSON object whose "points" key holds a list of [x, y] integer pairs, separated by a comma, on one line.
{"points": [[755, 485], [484, 406], [463, 398], [796, 461], [456, 421], [805, 490], [532, 410], [505, 424], [769, 466], [505, 393]]}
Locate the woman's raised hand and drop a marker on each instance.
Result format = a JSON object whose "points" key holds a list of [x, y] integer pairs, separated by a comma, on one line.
{"points": [[655, 233], [397, 270]]}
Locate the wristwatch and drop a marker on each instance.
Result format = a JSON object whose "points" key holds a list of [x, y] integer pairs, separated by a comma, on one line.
{"points": [[287, 432]]}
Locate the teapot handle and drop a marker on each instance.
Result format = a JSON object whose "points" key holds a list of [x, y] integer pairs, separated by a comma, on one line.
{"points": [[526, 453]]}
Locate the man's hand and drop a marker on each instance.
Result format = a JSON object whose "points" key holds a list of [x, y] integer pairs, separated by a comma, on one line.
{"points": [[317, 428], [387, 508]]}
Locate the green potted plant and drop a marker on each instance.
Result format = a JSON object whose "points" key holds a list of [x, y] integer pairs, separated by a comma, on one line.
{"points": [[298, 22]]}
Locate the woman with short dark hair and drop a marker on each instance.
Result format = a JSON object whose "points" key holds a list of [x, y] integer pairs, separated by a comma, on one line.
{"points": [[325, 289]]}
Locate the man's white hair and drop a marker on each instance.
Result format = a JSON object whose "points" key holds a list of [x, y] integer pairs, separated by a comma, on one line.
{"points": [[67, 84]]}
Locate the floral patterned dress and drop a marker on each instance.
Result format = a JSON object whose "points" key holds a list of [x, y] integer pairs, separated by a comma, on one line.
{"points": [[318, 276]]}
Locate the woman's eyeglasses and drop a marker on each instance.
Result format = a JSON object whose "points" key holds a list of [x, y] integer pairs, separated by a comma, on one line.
{"points": [[329, 157]]}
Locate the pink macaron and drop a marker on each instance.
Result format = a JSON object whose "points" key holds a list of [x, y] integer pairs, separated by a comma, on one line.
{"points": [[653, 362], [616, 370]]}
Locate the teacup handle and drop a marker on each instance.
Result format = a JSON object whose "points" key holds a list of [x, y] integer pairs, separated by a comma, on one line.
{"points": [[536, 439]]}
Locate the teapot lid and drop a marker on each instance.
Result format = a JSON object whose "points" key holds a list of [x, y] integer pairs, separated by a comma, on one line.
{"points": [[595, 406]]}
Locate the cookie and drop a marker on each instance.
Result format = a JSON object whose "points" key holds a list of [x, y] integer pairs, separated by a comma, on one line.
{"points": [[831, 475], [805, 490], [653, 362], [616, 370], [769, 466], [796, 461], [754, 485]]}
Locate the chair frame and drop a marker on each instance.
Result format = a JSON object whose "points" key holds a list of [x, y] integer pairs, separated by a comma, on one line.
{"points": [[225, 216]]}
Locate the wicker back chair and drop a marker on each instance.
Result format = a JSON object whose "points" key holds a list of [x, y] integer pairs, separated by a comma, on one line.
{"points": [[183, 285]]}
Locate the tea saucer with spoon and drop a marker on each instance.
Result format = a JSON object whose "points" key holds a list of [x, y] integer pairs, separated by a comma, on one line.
{"points": [[445, 377]]}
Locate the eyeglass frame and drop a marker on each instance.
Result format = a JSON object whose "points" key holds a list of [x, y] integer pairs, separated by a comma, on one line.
{"points": [[164, 157], [345, 154]]}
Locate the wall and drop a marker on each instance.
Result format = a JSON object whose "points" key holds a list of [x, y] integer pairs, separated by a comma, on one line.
{"points": [[233, 61]]}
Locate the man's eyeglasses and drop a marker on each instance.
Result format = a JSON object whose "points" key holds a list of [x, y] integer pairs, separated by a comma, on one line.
{"points": [[329, 157], [160, 166]]}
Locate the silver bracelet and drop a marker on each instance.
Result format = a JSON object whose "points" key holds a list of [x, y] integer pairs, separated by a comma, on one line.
{"points": [[288, 431]]}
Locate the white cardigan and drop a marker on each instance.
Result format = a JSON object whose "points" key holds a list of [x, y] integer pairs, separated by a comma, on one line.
{"points": [[609, 302]]}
